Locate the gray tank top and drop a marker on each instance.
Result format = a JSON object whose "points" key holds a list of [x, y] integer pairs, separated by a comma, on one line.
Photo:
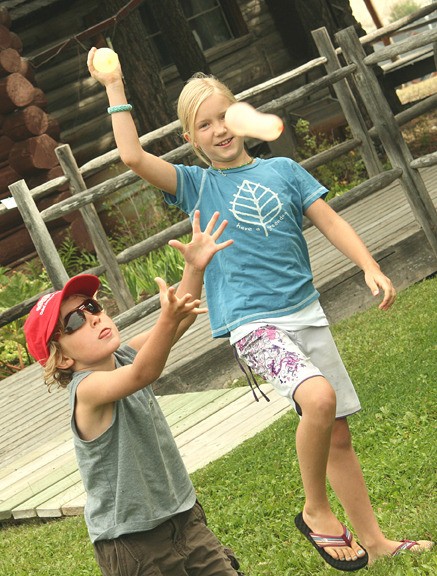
{"points": [[133, 473]]}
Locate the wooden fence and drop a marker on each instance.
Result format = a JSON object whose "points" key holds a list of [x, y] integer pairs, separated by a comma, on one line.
{"points": [[354, 75]]}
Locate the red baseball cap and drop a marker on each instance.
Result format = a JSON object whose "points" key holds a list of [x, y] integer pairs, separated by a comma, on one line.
{"points": [[43, 317]]}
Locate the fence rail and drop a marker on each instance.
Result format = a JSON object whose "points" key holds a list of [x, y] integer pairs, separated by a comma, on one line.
{"points": [[342, 78]]}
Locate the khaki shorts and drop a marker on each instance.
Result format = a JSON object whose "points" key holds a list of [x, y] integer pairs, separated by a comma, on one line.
{"points": [[288, 358], [181, 546]]}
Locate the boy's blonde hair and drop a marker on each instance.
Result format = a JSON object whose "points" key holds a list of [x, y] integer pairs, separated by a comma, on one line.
{"points": [[52, 374], [196, 90]]}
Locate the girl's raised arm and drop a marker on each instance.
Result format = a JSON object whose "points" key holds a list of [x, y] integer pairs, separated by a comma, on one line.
{"points": [[158, 172]]}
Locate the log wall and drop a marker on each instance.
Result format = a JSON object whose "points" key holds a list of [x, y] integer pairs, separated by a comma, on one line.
{"points": [[74, 105]]}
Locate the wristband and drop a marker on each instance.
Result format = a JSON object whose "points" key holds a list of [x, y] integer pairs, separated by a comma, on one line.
{"points": [[119, 108]]}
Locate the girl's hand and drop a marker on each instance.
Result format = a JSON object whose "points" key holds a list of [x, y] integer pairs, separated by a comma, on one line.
{"points": [[104, 78], [375, 280], [177, 308], [199, 252]]}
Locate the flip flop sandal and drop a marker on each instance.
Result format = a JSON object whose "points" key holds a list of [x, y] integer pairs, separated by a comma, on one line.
{"points": [[404, 545], [321, 541]]}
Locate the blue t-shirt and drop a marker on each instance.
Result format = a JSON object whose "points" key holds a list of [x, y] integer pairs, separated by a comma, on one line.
{"points": [[266, 272]]}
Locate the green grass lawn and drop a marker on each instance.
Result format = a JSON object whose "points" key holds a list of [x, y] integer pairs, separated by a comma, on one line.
{"points": [[252, 495]]}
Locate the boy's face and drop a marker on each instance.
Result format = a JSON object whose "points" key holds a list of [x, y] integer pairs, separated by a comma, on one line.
{"points": [[89, 339], [211, 134]]}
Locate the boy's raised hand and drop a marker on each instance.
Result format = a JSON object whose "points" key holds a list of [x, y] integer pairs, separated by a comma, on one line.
{"points": [[177, 307], [199, 252]]}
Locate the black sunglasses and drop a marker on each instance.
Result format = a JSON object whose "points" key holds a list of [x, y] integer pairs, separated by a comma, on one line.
{"points": [[76, 318]]}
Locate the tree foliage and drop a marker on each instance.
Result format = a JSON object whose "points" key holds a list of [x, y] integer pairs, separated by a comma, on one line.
{"points": [[402, 9]]}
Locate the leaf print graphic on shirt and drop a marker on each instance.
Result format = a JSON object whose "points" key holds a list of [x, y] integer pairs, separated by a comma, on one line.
{"points": [[256, 205]]}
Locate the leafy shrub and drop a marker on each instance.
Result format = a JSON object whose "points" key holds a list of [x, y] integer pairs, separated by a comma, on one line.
{"points": [[340, 174], [15, 287]]}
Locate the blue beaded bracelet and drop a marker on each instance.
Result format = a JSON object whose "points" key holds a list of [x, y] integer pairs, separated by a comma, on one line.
{"points": [[119, 108]]}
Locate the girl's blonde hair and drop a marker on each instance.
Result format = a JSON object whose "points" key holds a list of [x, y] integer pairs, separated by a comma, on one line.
{"points": [[196, 90]]}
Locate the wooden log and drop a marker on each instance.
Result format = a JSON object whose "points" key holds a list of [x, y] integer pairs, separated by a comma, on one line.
{"points": [[64, 72], [25, 123], [80, 233], [93, 194], [14, 245], [154, 242], [379, 33], [46, 176], [15, 92], [68, 216], [6, 144], [96, 231], [16, 42], [7, 176], [39, 99], [17, 244], [394, 50], [9, 219], [5, 17], [331, 154], [10, 62], [53, 128], [39, 234], [27, 70], [34, 153], [5, 37], [349, 104], [390, 135], [424, 161]]}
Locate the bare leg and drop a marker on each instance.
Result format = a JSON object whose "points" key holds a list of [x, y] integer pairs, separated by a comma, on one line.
{"points": [[347, 480], [313, 439]]}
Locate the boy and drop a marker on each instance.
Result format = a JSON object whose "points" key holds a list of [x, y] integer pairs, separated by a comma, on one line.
{"points": [[141, 512]]}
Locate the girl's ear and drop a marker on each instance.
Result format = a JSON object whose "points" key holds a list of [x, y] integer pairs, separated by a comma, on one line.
{"points": [[188, 139], [65, 363]]}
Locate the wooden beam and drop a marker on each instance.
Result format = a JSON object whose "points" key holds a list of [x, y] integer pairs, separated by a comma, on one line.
{"points": [[96, 231], [40, 235], [390, 135]]}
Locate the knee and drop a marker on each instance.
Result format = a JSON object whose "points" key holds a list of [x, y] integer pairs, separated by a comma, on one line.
{"points": [[317, 399]]}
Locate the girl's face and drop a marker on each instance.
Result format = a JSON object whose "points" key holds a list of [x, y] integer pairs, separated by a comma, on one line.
{"points": [[92, 344], [211, 134]]}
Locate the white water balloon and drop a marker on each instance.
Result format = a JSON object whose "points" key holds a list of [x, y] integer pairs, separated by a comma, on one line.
{"points": [[242, 119], [105, 60]]}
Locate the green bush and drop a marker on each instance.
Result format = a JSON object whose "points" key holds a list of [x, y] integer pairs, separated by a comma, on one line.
{"points": [[15, 287], [340, 174]]}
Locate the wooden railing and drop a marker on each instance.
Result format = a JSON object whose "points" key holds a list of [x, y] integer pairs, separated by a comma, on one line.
{"points": [[358, 70]]}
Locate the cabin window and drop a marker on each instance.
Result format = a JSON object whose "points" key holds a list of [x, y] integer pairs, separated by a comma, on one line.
{"points": [[212, 22]]}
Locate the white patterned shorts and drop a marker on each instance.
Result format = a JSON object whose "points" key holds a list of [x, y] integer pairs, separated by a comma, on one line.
{"points": [[285, 359]]}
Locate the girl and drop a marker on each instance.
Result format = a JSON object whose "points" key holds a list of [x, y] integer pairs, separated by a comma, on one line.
{"points": [[261, 296]]}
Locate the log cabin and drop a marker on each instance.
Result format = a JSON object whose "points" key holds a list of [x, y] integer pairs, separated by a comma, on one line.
{"points": [[47, 96]]}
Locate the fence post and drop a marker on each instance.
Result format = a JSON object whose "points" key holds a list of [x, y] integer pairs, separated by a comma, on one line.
{"points": [[390, 135], [40, 235], [96, 231], [348, 103]]}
